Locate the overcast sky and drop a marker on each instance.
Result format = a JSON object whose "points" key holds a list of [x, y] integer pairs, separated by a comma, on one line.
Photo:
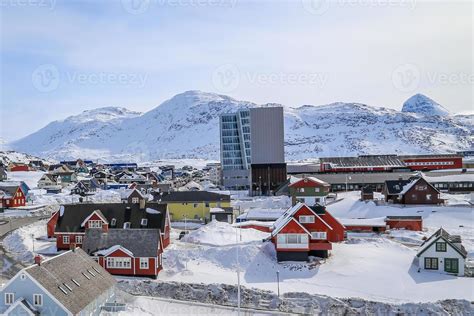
{"points": [[62, 57]]}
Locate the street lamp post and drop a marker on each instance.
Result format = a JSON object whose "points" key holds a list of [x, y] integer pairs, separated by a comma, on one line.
{"points": [[278, 282], [33, 239]]}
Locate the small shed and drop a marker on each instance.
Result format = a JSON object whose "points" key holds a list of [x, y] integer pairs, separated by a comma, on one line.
{"points": [[367, 193], [222, 214], [414, 223]]}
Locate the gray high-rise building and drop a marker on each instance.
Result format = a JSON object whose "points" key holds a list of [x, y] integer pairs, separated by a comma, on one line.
{"points": [[251, 139]]}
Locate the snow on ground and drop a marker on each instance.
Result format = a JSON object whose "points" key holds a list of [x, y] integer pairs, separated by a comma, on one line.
{"points": [[457, 220], [223, 234], [22, 241], [368, 266], [265, 202], [31, 178]]}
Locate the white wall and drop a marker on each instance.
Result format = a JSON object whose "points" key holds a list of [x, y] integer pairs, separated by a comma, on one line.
{"points": [[450, 253]]}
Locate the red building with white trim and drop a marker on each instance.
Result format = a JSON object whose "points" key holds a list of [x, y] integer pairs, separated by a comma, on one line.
{"points": [[304, 231], [99, 227], [12, 196]]}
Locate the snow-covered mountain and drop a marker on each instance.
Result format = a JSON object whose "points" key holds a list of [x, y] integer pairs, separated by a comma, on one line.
{"points": [[421, 104], [187, 126]]}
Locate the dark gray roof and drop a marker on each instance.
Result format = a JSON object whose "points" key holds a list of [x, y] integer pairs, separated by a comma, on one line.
{"points": [[453, 240], [141, 242], [404, 217], [75, 214], [364, 161], [9, 190], [190, 196], [395, 186], [61, 269]]}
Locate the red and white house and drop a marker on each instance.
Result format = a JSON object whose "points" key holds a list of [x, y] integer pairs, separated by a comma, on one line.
{"points": [[134, 231], [304, 231], [130, 252], [12, 196]]}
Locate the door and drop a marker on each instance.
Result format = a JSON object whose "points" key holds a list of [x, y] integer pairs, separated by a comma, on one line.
{"points": [[451, 265]]}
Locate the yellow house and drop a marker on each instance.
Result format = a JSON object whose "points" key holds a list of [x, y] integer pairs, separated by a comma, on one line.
{"points": [[193, 205]]}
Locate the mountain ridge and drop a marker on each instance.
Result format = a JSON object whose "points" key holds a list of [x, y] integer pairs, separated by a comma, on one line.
{"points": [[186, 126]]}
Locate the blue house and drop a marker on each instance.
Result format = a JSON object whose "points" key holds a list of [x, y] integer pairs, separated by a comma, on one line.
{"points": [[71, 283]]}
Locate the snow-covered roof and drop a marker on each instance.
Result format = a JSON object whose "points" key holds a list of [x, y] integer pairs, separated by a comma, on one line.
{"points": [[312, 179], [262, 213], [377, 221], [106, 252], [288, 216]]}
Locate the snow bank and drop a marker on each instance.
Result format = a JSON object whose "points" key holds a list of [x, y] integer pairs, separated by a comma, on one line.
{"points": [[21, 242], [222, 234], [294, 302]]}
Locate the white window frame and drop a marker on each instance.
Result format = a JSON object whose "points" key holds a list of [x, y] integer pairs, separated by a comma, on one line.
{"points": [[144, 263], [126, 225], [135, 200], [37, 299], [113, 222], [292, 241], [306, 219], [319, 235], [144, 222], [66, 239], [95, 224], [119, 262], [79, 239], [9, 298]]}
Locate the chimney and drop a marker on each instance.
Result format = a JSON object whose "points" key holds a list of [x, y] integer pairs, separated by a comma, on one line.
{"points": [[38, 260]]}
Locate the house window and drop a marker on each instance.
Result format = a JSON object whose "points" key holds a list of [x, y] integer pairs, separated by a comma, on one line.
{"points": [[428, 197], [95, 224], [440, 247], [306, 219], [293, 240], [113, 222], [126, 225], [316, 190], [143, 263], [451, 265], [9, 298], [207, 204], [66, 240], [195, 205], [431, 263], [319, 235], [79, 239], [301, 190], [118, 263], [135, 200], [144, 222], [37, 299]]}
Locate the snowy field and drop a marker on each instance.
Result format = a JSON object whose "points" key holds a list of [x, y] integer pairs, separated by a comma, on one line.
{"points": [[368, 266]]}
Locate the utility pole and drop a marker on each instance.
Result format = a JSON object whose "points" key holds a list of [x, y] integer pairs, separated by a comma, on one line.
{"points": [[238, 278]]}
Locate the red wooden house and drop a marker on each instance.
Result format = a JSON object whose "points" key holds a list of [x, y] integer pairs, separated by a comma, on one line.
{"points": [[131, 252], [304, 231], [112, 223], [13, 196]]}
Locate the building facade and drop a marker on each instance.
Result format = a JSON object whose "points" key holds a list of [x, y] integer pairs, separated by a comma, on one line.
{"points": [[252, 138]]}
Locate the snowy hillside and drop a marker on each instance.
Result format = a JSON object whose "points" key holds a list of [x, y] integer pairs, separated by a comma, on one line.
{"points": [[6, 157], [187, 126], [421, 104]]}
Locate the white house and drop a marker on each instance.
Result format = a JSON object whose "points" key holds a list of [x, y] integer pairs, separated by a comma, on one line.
{"points": [[443, 252]]}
